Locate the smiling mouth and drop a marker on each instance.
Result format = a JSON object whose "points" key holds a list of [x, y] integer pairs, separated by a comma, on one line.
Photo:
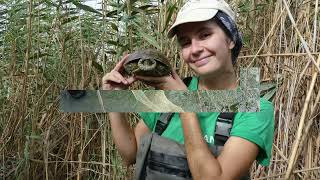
{"points": [[201, 62]]}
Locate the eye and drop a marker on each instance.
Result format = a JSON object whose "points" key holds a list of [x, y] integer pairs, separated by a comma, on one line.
{"points": [[184, 43], [204, 35]]}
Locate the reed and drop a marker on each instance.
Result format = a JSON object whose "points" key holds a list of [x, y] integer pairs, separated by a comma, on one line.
{"points": [[47, 46]]}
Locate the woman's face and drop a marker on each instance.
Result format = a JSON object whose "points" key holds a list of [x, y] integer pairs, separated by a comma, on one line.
{"points": [[205, 47]]}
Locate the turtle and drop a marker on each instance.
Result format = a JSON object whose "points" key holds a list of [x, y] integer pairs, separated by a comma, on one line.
{"points": [[147, 62]]}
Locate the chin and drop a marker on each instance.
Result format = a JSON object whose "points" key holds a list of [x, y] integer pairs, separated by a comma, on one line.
{"points": [[206, 70]]}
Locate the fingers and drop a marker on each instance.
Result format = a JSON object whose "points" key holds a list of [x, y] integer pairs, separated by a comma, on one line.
{"points": [[119, 65], [113, 76], [119, 77], [115, 80]]}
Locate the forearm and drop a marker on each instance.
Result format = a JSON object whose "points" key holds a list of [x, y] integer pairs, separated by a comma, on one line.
{"points": [[201, 161], [123, 136]]}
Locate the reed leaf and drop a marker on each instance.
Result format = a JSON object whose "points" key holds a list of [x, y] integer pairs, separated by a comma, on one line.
{"points": [[85, 7]]}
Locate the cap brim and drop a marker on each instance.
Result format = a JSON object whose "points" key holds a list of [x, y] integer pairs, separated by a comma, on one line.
{"points": [[196, 15]]}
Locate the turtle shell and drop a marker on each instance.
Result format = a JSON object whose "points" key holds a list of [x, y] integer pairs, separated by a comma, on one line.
{"points": [[147, 63]]}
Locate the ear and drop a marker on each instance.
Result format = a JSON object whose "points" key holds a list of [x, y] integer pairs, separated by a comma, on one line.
{"points": [[231, 44]]}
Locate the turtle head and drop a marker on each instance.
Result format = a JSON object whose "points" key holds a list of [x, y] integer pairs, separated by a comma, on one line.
{"points": [[147, 64]]}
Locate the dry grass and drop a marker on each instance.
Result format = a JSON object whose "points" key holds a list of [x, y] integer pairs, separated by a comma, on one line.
{"points": [[37, 141]]}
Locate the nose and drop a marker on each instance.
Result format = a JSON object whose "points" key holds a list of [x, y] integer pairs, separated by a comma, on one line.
{"points": [[196, 48]]}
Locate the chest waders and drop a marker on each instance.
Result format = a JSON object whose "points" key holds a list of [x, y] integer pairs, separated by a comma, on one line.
{"points": [[159, 158]]}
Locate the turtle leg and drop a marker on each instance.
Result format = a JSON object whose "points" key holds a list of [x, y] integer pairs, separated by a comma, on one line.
{"points": [[134, 71]]}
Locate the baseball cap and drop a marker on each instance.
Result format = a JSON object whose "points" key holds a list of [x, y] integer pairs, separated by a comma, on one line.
{"points": [[200, 10]]}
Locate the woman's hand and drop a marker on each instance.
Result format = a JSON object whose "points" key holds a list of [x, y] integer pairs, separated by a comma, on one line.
{"points": [[171, 82], [114, 80]]}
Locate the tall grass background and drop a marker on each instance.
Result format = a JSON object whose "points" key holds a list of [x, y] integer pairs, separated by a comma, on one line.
{"points": [[47, 46]]}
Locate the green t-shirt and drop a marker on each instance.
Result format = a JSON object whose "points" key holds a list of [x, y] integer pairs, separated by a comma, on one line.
{"points": [[257, 127]]}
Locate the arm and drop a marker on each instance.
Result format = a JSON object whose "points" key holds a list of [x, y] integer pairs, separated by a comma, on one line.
{"points": [[125, 138], [234, 161]]}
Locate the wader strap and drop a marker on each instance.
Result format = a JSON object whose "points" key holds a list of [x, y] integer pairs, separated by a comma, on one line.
{"points": [[223, 128], [163, 122], [187, 80], [165, 118]]}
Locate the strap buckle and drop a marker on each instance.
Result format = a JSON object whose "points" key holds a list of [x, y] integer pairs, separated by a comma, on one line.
{"points": [[223, 127], [222, 132]]}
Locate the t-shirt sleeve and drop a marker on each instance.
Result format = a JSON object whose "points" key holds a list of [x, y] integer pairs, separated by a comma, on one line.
{"points": [[149, 119], [257, 127]]}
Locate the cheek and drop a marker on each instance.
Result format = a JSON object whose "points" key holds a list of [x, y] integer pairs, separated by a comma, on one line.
{"points": [[220, 46], [185, 54]]}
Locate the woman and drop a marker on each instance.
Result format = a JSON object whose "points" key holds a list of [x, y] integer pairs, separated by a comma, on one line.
{"points": [[210, 44]]}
